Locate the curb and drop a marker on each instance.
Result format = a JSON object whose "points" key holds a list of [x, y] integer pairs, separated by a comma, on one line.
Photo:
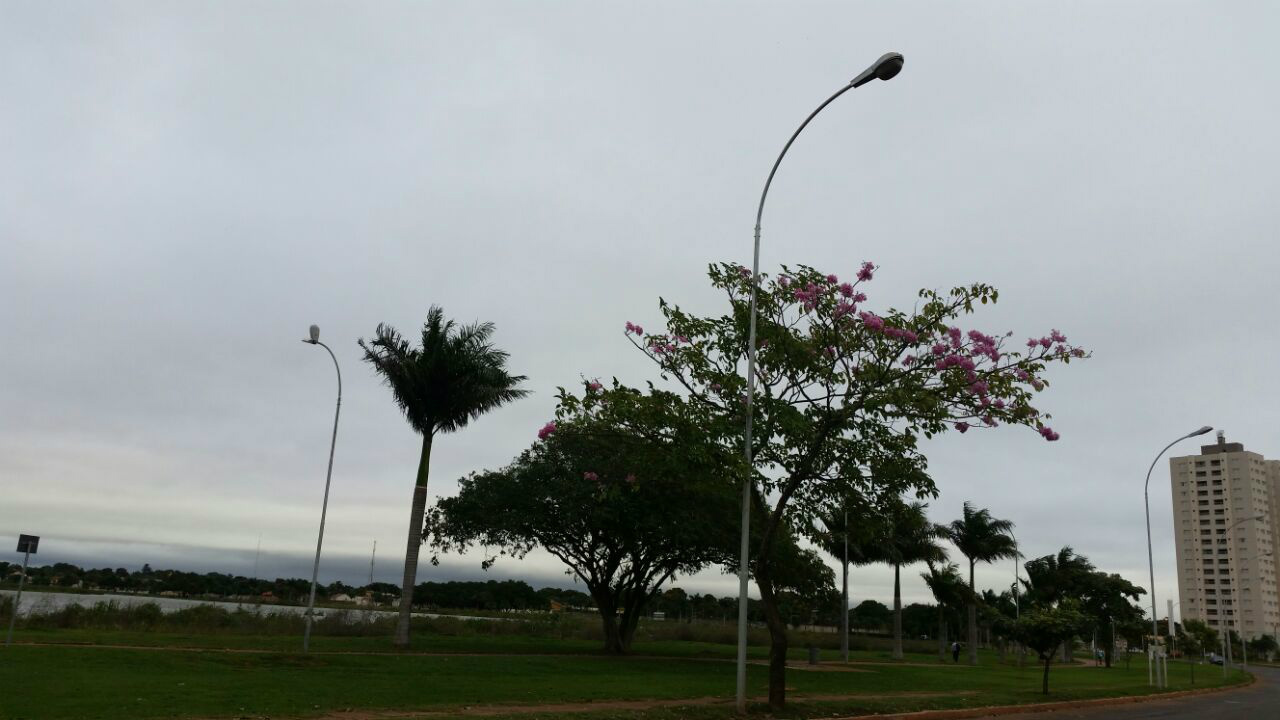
{"points": [[996, 710]]}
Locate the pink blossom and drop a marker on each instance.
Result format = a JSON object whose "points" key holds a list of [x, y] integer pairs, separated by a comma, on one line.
{"points": [[1057, 336], [909, 360], [631, 479], [1048, 433], [590, 477], [846, 289], [594, 386], [859, 297], [743, 271], [715, 387], [1045, 342], [990, 421], [872, 321], [865, 272], [1077, 352], [999, 403], [682, 339], [978, 388], [938, 348], [833, 279], [843, 308], [546, 430], [1037, 384], [963, 427], [784, 281], [633, 328], [1023, 375], [1032, 342]]}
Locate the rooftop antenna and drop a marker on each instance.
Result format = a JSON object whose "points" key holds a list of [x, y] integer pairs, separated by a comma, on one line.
{"points": [[1222, 437]]}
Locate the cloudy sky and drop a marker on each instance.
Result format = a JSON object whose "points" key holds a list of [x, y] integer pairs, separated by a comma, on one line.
{"points": [[185, 187]]}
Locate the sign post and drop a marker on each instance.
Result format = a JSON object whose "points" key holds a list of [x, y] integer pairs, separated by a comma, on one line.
{"points": [[26, 545]]}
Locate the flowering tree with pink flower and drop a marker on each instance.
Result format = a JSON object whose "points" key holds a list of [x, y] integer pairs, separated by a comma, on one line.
{"points": [[844, 393]]}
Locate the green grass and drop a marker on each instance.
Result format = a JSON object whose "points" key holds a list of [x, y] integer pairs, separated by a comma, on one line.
{"points": [[56, 683], [428, 642]]}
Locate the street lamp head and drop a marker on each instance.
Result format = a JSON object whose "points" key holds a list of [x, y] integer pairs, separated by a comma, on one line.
{"points": [[1201, 431], [888, 66], [315, 335]]}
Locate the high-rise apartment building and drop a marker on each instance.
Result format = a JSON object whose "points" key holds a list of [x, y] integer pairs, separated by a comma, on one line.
{"points": [[1226, 562]]}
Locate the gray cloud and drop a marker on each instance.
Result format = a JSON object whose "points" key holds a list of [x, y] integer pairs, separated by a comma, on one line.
{"points": [[185, 188]]}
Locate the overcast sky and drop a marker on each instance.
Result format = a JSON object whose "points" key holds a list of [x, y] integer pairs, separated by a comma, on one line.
{"points": [[184, 188]]}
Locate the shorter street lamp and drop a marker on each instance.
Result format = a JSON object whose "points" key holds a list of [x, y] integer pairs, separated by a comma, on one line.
{"points": [[314, 339]]}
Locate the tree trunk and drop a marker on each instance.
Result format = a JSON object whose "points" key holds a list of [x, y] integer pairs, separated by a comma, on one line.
{"points": [[1044, 685], [777, 638], [942, 634], [973, 618], [897, 612], [1108, 643], [414, 544]]}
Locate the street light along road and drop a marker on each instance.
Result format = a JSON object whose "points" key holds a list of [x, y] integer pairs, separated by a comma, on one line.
{"points": [[887, 67], [314, 339], [1151, 565]]}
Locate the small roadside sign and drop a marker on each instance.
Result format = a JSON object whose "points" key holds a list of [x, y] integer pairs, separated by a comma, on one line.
{"points": [[28, 543]]}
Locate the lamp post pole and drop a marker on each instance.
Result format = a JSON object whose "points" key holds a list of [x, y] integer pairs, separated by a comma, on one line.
{"points": [[1151, 566], [885, 68], [324, 507]]}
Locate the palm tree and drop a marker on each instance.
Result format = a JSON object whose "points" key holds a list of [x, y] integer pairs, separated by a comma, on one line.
{"points": [[455, 376], [1054, 578], [949, 592], [980, 538], [907, 537], [847, 540]]}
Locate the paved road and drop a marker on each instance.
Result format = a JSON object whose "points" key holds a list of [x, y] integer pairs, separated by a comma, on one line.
{"points": [[1261, 701]]}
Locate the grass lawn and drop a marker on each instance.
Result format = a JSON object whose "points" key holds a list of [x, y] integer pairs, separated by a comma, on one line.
{"points": [[426, 642], [55, 683]]}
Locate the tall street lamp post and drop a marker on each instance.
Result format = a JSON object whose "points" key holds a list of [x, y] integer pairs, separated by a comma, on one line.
{"points": [[888, 66], [1151, 566], [314, 339]]}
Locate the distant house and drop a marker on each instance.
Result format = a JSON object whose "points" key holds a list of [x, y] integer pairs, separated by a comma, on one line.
{"points": [[340, 597], [168, 593], [366, 600]]}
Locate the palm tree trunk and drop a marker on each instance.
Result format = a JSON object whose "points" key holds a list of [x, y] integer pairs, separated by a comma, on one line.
{"points": [[414, 544], [973, 618], [897, 612]]}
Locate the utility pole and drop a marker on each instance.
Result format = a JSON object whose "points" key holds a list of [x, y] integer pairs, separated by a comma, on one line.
{"points": [[371, 559]]}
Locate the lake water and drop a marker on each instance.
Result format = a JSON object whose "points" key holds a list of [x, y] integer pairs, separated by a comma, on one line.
{"points": [[43, 602]]}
